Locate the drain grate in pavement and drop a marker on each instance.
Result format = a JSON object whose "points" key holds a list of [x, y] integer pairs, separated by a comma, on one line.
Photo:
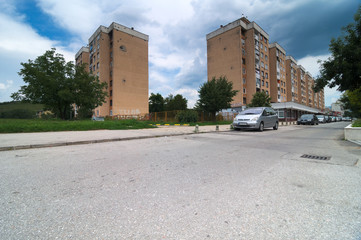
{"points": [[315, 157]]}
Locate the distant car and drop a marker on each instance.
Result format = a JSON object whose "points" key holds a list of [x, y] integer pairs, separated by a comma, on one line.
{"points": [[321, 118], [348, 119], [333, 119], [327, 118], [256, 118], [309, 119]]}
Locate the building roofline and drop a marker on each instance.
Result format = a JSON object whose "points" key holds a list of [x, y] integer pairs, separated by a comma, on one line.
{"points": [[291, 58], [279, 47], [121, 28], [302, 68], [81, 50], [234, 24], [309, 74]]}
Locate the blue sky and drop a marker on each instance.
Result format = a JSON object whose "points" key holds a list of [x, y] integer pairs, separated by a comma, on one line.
{"points": [[177, 31]]}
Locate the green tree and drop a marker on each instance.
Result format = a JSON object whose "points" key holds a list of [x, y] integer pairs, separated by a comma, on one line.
{"points": [[351, 100], [177, 102], [156, 103], [343, 68], [215, 95], [260, 99], [59, 84]]}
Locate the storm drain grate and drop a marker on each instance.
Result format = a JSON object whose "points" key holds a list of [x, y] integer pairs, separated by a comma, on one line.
{"points": [[315, 157]]}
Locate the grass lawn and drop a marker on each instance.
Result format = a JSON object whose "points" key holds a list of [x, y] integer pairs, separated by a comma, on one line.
{"points": [[356, 123], [39, 125]]}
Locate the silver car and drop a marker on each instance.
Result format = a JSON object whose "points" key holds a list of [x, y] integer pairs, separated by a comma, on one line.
{"points": [[256, 118]]}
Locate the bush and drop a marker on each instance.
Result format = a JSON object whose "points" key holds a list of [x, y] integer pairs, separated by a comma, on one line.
{"points": [[18, 114], [187, 116], [356, 123]]}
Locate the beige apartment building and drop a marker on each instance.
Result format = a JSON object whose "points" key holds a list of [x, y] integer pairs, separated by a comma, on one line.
{"points": [[301, 75], [118, 55], [277, 63], [239, 51], [292, 82]]}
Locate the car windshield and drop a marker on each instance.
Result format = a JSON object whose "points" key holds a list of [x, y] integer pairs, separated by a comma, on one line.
{"points": [[252, 111], [320, 116], [307, 116]]}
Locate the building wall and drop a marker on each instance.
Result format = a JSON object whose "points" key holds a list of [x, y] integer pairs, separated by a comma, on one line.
{"points": [[292, 81], [119, 56], [301, 75], [237, 52], [278, 74], [224, 58]]}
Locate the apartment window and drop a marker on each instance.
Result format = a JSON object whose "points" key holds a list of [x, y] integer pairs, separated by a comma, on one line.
{"points": [[243, 51], [265, 40], [243, 42], [98, 55], [266, 57], [111, 55], [261, 37], [111, 83], [262, 73], [111, 93], [265, 48], [111, 73], [244, 80], [98, 74], [243, 61], [111, 112], [111, 102], [266, 66], [261, 45], [262, 82], [98, 46], [262, 64], [262, 55], [266, 75], [97, 65], [267, 84], [111, 64], [98, 37], [267, 92], [244, 90], [94, 68], [244, 100], [244, 71]]}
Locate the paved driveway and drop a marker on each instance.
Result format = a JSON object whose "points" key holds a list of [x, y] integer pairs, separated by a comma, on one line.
{"points": [[226, 185]]}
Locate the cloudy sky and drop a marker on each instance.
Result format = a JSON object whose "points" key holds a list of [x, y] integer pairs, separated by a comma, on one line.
{"points": [[177, 31]]}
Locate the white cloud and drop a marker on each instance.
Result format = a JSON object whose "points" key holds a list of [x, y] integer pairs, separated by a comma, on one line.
{"points": [[7, 85]]}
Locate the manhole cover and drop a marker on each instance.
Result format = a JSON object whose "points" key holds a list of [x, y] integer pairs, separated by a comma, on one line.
{"points": [[315, 157]]}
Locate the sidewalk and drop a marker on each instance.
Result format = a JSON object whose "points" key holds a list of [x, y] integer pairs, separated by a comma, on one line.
{"points": [[15, 141]]}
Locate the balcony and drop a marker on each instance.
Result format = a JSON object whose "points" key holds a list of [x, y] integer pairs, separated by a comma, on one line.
{"points": [[256, 37], [257, 66]]}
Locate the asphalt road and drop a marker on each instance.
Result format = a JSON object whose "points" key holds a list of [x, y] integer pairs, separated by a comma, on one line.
{"points": [[224, 185]]}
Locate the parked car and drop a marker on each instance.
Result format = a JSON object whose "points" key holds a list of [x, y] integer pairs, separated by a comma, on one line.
{"points": [[327, 118], [310, 119], [256, 118], [321, 118]]}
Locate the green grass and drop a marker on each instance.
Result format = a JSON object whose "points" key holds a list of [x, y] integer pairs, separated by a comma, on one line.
{"points": [[39, 125], [356, 123]]}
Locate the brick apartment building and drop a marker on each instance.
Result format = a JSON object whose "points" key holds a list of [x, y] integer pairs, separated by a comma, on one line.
{"points": [[241, 52], [118, 55]]}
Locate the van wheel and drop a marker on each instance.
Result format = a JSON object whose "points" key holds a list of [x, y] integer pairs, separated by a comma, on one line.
{"points": [[275, 127], [261, 127]]}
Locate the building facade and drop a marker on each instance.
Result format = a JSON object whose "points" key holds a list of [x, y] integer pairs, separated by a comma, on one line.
{"points": [[240, 51], [118, 55], [292, 82], [277, 63]]}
